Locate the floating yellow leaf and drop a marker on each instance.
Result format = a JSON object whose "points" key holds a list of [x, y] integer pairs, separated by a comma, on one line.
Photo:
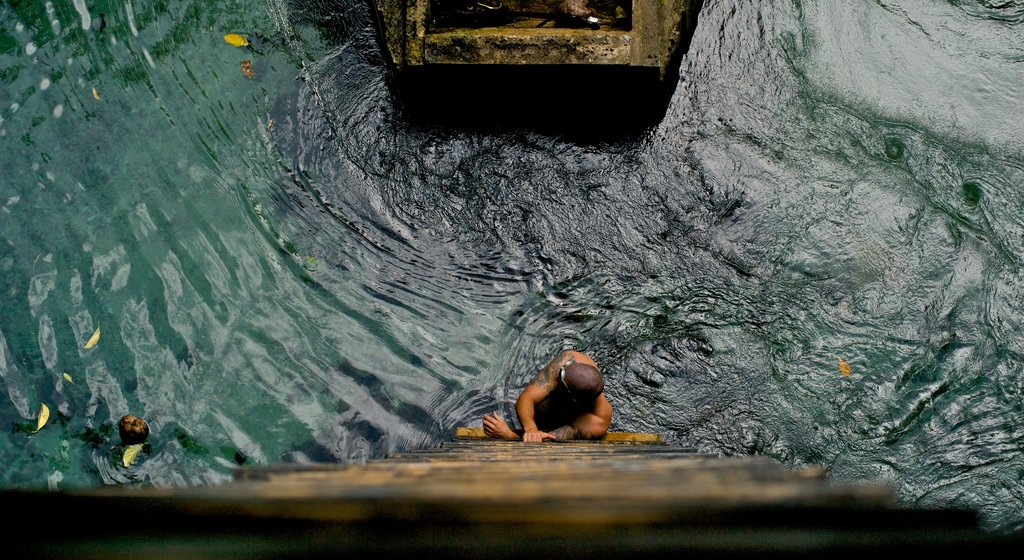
{"points": [[844, 368], [236, 40], [95, 338], [95, 93], [68, 378], [130, 453], [44, 415]]}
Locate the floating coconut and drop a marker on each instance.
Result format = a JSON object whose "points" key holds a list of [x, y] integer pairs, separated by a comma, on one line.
{"points": [[133, 429]]}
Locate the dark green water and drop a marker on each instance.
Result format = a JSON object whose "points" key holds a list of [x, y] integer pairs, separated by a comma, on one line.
{"points": [[284, 269]]}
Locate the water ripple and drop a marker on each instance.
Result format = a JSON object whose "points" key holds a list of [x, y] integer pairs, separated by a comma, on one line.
{"points": [[1000, 10], [286, 268]]}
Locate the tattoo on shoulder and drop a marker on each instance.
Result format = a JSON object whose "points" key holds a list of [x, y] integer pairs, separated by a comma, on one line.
{"points": [[543, 380], [547, 377]]}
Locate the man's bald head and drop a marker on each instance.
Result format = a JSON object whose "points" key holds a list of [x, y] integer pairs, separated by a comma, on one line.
{"points": [[584, 381]]}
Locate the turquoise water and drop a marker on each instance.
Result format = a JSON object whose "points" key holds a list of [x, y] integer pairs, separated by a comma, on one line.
{"points": [[284, 269]]}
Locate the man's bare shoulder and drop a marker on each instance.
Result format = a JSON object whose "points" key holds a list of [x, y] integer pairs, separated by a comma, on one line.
{"points": [[547, 377], [577, 356]]}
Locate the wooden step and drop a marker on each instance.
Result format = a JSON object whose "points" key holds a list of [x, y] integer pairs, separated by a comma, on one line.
{"points": [[481, 498], [626, 437]]}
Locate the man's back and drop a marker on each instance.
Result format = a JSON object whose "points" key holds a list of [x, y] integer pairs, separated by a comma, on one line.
{"points": [[564, 400]]}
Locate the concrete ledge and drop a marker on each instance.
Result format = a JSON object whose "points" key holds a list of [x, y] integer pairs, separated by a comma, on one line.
{"points": [[528, 46]]}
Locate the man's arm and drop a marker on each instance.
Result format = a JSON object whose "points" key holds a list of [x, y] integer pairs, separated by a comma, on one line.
{"points": [[496, 427], [592, 425], [526, 406], [536, 391]]}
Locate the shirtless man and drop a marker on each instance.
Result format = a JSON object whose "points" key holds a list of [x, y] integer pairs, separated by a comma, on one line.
{"points": [[565, 400]]}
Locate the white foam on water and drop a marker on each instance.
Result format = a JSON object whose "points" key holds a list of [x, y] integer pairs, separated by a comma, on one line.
{"points": [[17, 389], [47, 342], [54, 23], [53, 481], [83, 12], [39, 289], [933, 65], [131, 18]]}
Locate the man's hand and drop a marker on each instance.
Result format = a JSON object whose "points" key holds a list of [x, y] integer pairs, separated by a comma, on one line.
{"points": [[496, 427], [537, 437]]}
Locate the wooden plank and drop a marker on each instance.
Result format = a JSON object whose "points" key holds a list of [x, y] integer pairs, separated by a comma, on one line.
{"points": [[623, 483], [508, 499], [544, 495], [620, 482], [631, 437]]}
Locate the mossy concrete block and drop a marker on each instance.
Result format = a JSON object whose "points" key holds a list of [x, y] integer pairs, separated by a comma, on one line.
{"points": [[527, 46], [658, 30]]}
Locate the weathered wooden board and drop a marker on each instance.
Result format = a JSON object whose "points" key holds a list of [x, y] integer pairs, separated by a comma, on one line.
{"points": [[476, 432], [624, 477], [482, 498]]}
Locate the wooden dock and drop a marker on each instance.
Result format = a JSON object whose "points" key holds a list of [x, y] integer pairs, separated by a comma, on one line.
{"points": [[472, 497]]}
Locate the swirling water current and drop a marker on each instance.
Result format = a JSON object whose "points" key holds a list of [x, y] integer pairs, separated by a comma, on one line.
{"points": [[284, 269]]}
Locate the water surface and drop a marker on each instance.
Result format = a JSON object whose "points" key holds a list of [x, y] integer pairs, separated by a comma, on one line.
{"points": [[285, 269]]}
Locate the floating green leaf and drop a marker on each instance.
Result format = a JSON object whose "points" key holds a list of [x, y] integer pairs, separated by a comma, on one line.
{"points": [[130, 453]]}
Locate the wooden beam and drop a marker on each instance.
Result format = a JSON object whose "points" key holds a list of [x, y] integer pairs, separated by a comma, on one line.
{"points": [[630, 437]]}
